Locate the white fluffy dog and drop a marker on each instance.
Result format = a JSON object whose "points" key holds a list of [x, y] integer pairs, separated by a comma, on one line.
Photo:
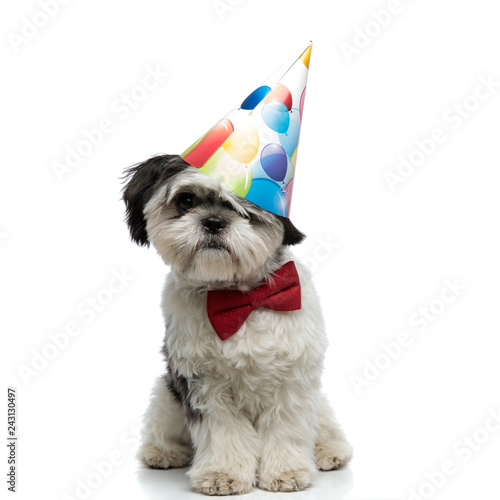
{"points": [[248, 410]]}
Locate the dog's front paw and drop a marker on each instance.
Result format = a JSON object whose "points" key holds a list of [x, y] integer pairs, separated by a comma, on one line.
{"points": [[293, 480], [332, 455], [219, 483], [156, 458]]}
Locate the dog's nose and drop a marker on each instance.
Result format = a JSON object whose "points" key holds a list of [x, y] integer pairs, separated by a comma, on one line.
{"points": [[214, 224]]}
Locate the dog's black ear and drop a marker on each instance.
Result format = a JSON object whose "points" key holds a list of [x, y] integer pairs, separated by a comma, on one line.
{"points": [[141, 182], [292, 235]]}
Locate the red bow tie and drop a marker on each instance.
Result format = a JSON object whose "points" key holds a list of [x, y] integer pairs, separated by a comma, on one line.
{"points": [[228, 309]]}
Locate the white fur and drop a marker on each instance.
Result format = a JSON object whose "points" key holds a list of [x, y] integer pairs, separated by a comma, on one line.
{"points": [[264, 420], [166, 440], [249, 409]]}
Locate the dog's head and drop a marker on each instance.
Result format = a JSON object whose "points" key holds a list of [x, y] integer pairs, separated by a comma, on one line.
{"points": [[198, 226]]}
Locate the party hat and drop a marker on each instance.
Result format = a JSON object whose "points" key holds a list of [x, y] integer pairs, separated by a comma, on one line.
{"points": [[253, 149]]}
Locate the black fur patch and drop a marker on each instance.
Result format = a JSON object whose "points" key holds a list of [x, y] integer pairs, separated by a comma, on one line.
{"points": [[292, 235], [179, 387], [142, 181]]}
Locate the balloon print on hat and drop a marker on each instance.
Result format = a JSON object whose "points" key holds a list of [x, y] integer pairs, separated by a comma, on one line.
{"points": [[288, 194], [274, 161], [301, 104], [243, 144], [280, 93], [290, 138], [276, 116], [236, 176], [293, 158], [199, 152], [290, 171], [255, 97], [268, 195]]}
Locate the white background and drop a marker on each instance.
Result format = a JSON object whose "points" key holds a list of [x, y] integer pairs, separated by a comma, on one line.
{"points": [[377, 254]]}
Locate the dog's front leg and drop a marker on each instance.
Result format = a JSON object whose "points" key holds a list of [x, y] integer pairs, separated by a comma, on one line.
{"points": [[165, 437], [332, 449], [287, 434], [226, 453]]}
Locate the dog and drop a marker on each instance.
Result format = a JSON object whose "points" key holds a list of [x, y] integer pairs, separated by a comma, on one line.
{"points": [[245, 411]]}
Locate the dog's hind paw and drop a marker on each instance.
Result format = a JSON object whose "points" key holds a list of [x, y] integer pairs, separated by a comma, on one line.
{"points": [[156, 458], [332, 455]]}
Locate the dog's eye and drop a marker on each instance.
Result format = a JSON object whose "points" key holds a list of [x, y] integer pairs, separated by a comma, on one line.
{"points": [[185, 202], [227, 205]]}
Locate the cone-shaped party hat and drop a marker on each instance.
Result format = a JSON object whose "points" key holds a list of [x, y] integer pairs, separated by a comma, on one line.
{"points": [[253, 149]]}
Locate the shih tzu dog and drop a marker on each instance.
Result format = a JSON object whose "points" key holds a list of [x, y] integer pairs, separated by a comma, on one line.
{"points": [[244, 342]]}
